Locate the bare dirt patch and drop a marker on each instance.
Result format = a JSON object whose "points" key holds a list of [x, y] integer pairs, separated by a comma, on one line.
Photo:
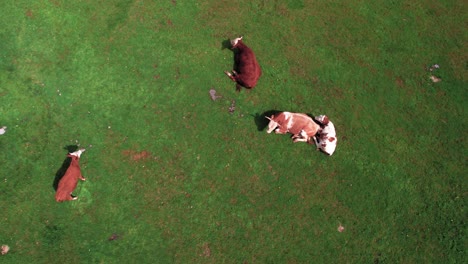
{"points": [[400, 82], [137, 156], [29, 13], [206, 250]]}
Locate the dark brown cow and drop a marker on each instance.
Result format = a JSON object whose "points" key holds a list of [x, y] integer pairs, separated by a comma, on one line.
{"points": [[246, 69], [69, 181]]}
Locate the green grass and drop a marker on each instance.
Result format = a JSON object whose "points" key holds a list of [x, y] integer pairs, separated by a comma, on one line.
{"points": [[181, 180]]}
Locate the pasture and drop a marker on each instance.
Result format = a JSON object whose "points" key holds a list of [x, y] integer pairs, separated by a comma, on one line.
{"points": [[175, 177]]}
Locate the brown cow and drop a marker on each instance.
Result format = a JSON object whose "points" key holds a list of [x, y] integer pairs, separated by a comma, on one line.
{"points": [[246, 68], [68, 182], [301, 126]]}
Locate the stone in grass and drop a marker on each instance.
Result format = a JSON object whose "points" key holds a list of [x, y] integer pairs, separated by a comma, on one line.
{"points": [[232, 108], [114, 237], [3, 130], [433, 67], [340, 228], [213, 94], [435, 79], [5, 249]]}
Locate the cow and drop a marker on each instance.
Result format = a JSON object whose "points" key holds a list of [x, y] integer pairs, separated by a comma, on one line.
{"points": [[326, 139], [301, 126], [246, 68], [68, 182]]}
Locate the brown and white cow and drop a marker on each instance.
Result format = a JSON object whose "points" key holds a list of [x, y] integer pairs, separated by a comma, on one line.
{"points": [[326, 139], [246, 68], [302, 126], [68, 182]]}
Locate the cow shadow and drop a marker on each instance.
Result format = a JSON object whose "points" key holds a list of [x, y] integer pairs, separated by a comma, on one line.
{"points": [[261, 121], [66, 163], [226, 44], [315, 120]]}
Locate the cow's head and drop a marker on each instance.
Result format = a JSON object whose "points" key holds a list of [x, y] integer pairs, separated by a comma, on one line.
{"points": [[235, 41], [323, 119], [272, 125], [76, 154]]}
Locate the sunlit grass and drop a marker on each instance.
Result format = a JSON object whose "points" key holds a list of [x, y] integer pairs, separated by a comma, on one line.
{"points": [[173, 177]]}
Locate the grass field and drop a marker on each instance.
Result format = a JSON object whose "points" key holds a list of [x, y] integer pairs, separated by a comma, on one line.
{"points": [[175, 178]]}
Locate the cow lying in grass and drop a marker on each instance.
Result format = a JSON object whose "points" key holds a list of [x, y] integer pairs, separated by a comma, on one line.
{"points": [[325, 139], [301, 126], [246, 68], [68, 182]]}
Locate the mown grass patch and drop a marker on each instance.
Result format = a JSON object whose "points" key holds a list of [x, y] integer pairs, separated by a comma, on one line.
{"points": [[173, 177]]}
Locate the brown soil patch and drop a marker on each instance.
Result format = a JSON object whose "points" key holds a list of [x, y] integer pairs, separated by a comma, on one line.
{"points": [[206, 250], [336, 92], [400, 82], [29, 14], [137, 156]]}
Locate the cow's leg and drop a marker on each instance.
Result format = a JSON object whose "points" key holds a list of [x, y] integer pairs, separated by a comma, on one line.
{"points": [[296, 136], [230, 76], [71, 197], [300, 139], [317, 141], [238, 86], [303, 134], [279, 130]]}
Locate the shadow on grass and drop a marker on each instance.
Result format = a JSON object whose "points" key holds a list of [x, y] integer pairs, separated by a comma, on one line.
{"points": [[66, 163], [261, 121], [226, 44], [315, 120]]}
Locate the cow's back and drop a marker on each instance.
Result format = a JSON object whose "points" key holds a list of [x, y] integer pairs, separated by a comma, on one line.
{"points": [[247, 66], [329, 129], [303, 122], [68, 183]]}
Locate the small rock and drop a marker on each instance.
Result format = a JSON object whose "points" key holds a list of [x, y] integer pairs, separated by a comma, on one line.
{"points": [[232, 108], [213, 94], [3, 130], [435, 79], [114, 237], [340, 228], [433, 67], [5, 249]]}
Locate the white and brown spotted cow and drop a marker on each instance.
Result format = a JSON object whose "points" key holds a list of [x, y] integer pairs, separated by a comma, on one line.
{"points": [[326, 139], [301, 126]]}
